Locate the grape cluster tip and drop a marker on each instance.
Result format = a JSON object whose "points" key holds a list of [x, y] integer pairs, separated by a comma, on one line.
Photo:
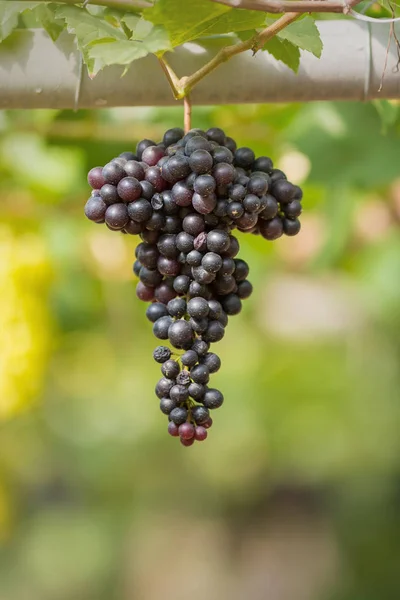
{"points": [[184, 196]]}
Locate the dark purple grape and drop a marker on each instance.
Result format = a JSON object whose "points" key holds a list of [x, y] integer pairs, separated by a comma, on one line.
{"points": [[166, 405], [180, 334], [170, 368], [215, 332], [147, 190], [95, 209], [133, 228], [113, 173], [181, 284], [109, 194], [168, 266], [292, 209], [218, 241], [204, 204], [235, 210], [177, 307], [95, 178], [129, 189], [178, 415], [263, 163], [161, 326], [231, 144], [283, 191], [140, 210], [172, 136], [271, 230], [212, 361], [197, 142], [152, 154], [133, 168], [224, 173], [153, 175], [193, 224], [204, 185], [173, 429], [189, 358], [231, 304], [142, 145], [200, 162], [200, 414], [164, 292], [241, 269], [211, 262], [212, 398], [155, 311], [117, 216], [244, 289], [222, 155], [291, 226], [181, 194], [144, 292]]}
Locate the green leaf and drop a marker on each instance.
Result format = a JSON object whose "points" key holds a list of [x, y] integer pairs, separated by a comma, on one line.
{"points": [[45, 14], [284, 51], [199, 18], [88, 28], [9, 14], [304, 34], [146, 39]]}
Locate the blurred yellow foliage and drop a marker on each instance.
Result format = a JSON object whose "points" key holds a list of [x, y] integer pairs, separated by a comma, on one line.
{"points": [[24, 319]]}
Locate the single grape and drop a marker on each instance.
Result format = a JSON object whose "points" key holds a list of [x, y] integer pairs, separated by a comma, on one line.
{"points": [[179, 393], [200, 433], [173, 429], [129, 189], [155, 311], [291, 226], [166, 405], [178, 415], [95, 178], [113, 173], [196, 391], [201, 162], [117, 216], [200, 374], [244, 158], [95, 209], [140, 210], [177, 307], [180, 334], [189, 358], [161, 327], [212, 398], [186, 431], [152, 154], [200, 414], [244, 289], [204, 185], [163, 387], [212, 361]]}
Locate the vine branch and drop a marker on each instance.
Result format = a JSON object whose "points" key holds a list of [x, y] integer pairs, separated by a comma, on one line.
{"points": [[181, 87], [298, 6]]}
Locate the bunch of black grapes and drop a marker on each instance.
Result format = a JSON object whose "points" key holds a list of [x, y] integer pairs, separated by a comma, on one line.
{"points": [[184, 197]]}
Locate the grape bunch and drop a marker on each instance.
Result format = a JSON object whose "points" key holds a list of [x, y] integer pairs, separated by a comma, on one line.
{"points": [[184, 197]]}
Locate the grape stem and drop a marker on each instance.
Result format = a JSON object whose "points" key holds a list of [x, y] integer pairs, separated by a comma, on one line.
{"points": [[299, 6], [183, 86], [187, 114]]}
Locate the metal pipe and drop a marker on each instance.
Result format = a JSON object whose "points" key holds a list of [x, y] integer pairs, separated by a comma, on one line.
{"points": [[36, 73]]}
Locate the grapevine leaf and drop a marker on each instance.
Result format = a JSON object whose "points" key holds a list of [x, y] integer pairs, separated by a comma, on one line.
{"points": [[200, 18], [88, 28], [9, 14], [45, 14], [284, 51], [304, 34], [146, 38]]}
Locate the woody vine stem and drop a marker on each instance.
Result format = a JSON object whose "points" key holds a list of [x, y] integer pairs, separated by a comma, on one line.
{"points": [[181, 87]]}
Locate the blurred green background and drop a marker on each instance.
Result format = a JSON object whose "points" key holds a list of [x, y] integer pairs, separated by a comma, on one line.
{"points": [[296, 493]]}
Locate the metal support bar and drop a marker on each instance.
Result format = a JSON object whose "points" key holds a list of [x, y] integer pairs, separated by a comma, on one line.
{"points": [[36, 73]]}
